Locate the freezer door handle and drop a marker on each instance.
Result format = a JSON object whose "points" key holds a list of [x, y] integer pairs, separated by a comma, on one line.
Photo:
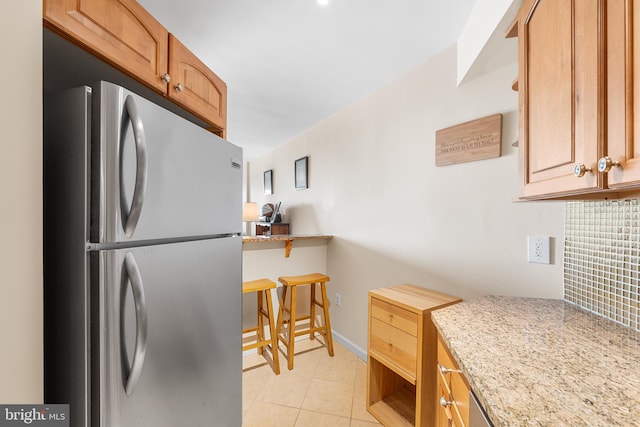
{"points": [[131, 214], [131, 375]]}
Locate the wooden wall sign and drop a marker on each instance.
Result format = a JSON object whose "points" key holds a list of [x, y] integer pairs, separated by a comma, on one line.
{"points": [[467, 142]]}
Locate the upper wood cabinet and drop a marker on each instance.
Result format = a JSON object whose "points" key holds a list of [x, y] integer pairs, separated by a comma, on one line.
{"points": [[195, 86], [579, 77], [125, 35], [561, 99], [623, 90], [119, 31]]}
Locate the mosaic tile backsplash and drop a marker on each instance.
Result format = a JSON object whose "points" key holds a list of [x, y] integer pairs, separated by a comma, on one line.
{"points": [[602, 258]]}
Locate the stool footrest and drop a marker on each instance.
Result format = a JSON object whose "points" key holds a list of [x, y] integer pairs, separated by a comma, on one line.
{"points": [[266, 343], [253, 329], [320, 331]]}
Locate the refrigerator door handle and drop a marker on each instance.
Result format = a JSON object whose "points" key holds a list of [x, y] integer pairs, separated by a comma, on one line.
{"points": [[131, 214], [131, 375]]}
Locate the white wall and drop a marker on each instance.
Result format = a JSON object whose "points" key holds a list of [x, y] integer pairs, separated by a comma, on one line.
{"points": [[21, 359], [396, 217]]}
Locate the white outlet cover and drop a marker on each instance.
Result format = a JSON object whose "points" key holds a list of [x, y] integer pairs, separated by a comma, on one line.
{"points": [[539, 249]]}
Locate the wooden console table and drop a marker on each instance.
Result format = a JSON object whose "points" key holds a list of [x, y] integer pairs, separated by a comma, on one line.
{"points": [[401, 386], [288, 240]]}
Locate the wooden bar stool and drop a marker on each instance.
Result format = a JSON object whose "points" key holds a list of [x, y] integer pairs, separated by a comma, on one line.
{"points": [[263, 288], [293, 282]]}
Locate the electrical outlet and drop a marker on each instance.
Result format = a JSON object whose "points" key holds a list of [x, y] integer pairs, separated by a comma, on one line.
{"points": [[338, 299], [539, 249]]}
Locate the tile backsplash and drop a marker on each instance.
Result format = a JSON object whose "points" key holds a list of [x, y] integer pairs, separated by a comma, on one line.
{"points": [[602, 258]]}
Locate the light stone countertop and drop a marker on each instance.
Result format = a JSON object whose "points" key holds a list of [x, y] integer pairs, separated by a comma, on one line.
{"points": [[544, 362], [284, 237]]}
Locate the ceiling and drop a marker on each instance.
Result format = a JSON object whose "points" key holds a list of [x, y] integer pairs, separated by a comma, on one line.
{"points": [[289, 64]]}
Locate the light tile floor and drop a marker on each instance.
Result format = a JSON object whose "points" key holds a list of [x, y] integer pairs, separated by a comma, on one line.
{"points": [[319, 391]]}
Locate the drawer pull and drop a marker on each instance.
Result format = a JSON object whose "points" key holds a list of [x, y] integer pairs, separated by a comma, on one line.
{"points": [[444, 370], [444, 402]]}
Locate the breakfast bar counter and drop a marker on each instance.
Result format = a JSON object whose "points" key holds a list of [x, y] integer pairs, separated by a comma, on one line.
{"points": [[542, 362], [288, 240], [284, 237]]}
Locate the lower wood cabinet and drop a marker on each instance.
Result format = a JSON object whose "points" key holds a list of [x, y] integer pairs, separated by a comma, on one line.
{"points": [[402, 355], [452, 400]]}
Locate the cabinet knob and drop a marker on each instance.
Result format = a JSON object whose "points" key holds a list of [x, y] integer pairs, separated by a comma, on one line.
{"points": [[580, 169], [166, 78], [605, 164], [444, 402], [179, 87]]}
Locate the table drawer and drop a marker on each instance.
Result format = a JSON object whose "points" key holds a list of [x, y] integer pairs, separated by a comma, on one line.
{"points": [[395, 345], [396, 316]]}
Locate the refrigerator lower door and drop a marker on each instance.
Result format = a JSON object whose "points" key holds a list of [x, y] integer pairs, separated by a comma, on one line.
{"points": [[156, 175], [169, 330]]}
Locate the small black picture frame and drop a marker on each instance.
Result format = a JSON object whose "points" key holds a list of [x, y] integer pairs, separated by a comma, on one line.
{"points": [[268, 182], [301, 175]]}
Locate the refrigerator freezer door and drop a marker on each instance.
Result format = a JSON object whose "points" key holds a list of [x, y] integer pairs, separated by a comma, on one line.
{"points": [[178, 332], [156, 175]]}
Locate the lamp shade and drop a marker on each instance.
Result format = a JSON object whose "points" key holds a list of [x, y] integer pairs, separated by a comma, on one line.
{"points": [[250, 212]]}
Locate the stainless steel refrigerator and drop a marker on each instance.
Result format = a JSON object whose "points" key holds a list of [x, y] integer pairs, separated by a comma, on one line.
{"points": [[143, 250]]}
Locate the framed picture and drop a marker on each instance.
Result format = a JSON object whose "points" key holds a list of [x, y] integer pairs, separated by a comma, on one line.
{"points": [[301, 173], [268, 181]]}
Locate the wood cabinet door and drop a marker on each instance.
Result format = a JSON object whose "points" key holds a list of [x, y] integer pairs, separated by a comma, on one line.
{"points": [[560, 121], [195, 87], [460, 395], [120, 32], [623, 90], [454, 386], [444, 418]]}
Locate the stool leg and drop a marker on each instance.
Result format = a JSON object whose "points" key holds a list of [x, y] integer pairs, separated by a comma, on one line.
{"points": [[274, 335], [280, 321], [312, 312], [260, 322], [327, 322], [292, 328]]}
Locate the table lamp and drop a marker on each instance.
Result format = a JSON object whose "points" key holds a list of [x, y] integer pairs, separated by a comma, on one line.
{"points": [[250, 214]]}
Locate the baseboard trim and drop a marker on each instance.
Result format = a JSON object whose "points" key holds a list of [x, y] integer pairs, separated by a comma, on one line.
{"points": [[350, 345]]}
